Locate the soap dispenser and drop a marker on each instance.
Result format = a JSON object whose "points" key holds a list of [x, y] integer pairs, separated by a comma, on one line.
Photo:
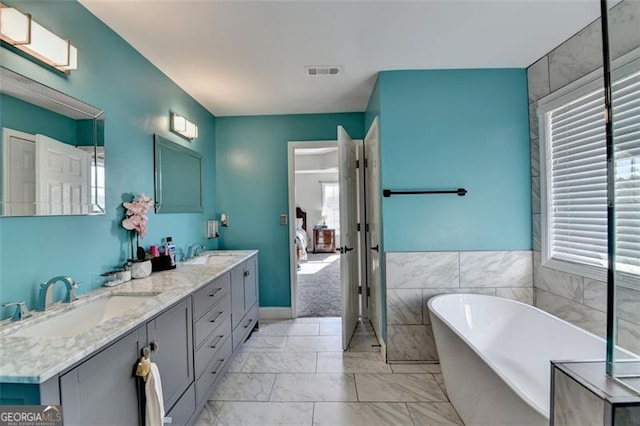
{"points": [[170, 250]]}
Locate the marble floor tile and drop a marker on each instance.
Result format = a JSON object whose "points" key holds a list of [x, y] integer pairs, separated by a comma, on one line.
{"points": [[364, 342], [415, 368], [351, 362], [258, 343], [433, 414], [440, 380], [265, 413], [314, 387], [295, 329], [331, 329], [361, 414], [313, 344], [280, 362], [235, 366], [398, 388], [244, 387], [209, 413]]}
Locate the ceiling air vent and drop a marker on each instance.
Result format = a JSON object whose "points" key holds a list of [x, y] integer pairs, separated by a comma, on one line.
{"points": [[325, 70]]}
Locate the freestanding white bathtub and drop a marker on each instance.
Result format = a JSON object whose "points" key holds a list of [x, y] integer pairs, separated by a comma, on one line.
{"points": [[495, 356]]}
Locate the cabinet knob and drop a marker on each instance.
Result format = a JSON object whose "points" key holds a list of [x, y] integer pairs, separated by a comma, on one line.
{"points": [[246, 273], [153, 346]]}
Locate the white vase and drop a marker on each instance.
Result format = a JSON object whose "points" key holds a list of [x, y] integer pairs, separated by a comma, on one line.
{"points": [[141, 269]]}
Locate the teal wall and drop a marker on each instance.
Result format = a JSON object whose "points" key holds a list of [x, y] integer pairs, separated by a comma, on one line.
{"points": [[251, 186], [137, 99], [449, 129]]}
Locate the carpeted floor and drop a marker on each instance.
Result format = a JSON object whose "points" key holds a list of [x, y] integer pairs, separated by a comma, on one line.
{"points": [[319, 286]]}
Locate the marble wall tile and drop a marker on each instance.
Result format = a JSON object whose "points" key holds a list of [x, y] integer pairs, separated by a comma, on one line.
{"points": [[422, 269], [624, 28], [535, 156], [561, 283], [411, 343], [404, 306], [590, 319], [533, 121], [595, 294], [496, 269], [521, 294], [576, 57], [575, 404], [536, 232], [628, 304], [629, 336], [538, 79], [535, 194], [427, 294]]}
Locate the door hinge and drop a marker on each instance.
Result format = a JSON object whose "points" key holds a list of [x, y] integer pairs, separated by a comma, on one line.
{"points": [[366, 228], [368, 292], [360, 290], [358, 227], [357, 164], [366, 162]]}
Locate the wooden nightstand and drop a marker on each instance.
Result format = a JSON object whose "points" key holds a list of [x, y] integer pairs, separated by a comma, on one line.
{"points": [[324, 240]]}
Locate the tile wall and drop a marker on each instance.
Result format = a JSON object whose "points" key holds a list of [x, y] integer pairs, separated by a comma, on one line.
{"points": [[412, 278], [574, 298]]}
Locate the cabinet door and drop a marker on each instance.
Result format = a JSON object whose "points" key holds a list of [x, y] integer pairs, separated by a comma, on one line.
{"points": [[172, 332], [250, 283], [237, 295], [104, 390]]}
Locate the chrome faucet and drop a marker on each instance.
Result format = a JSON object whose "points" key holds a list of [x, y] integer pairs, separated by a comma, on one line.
{"points": [[46, 292], [193, 249]]}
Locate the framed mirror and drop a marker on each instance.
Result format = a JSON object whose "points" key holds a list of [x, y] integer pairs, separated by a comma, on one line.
{"points": [[52, 158], [178, 178]]}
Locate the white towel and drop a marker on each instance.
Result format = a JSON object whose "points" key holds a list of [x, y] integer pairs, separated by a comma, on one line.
{"points": [[155, 403]]}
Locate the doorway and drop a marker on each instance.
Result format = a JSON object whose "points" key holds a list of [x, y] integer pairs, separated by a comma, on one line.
{"points": [[316, 193]]}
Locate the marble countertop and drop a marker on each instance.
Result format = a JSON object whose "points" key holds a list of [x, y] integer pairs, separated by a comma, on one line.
{"points": [[37, 359]]}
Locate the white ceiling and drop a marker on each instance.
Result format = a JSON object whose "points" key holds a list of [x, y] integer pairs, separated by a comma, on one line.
{"points": [[245, 58]]}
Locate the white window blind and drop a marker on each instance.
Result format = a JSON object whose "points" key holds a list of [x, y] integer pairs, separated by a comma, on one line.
{"points": [[574, 150], [626, 133]]}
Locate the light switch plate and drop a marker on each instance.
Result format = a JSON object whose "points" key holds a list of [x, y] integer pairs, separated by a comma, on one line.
{"points": [[283, 219]]}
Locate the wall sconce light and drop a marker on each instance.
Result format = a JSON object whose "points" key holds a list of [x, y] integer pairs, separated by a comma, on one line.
{"points": [[183, 127], [22, 32]]}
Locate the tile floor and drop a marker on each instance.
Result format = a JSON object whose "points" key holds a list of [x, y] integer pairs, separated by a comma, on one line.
{"points": [[294, 372]]}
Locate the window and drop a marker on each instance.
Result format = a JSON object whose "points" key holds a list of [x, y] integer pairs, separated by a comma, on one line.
{"points": [[331, 205], [574, 176]]}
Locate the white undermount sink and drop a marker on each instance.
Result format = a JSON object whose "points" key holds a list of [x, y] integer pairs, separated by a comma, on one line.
{"points": [[84, 317], [208, 257]]}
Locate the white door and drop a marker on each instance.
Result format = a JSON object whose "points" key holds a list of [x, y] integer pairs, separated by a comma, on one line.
{"points": [[348, 234], [63, 178], [372, 193], [19, 174]]}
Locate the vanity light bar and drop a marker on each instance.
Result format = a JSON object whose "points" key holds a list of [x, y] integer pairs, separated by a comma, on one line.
{"points": [[184, 127], [21, 31]]}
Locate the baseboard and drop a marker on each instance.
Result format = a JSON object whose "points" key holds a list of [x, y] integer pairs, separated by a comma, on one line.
{"points": [[275, 313]]}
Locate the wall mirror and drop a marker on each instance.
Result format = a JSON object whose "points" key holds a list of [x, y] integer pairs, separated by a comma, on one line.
{"points": [[178, 178], [52, 157]]}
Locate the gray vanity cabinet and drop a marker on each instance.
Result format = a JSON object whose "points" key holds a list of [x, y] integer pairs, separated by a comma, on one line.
{"points": [[244, 299], [170, 334], [103, 390]]}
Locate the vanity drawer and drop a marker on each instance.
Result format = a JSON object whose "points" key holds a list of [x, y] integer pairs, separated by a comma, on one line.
{"points": [[212, 345], [213, 370], [207, 296], [215, 316], [246, 325]]}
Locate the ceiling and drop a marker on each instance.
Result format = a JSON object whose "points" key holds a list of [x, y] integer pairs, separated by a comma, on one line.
{"points": [[248, 58]]}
